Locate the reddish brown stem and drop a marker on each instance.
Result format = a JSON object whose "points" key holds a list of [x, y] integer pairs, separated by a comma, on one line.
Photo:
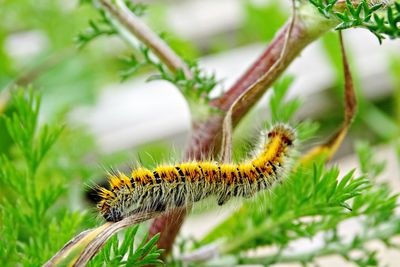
{"points": [[254, 72], [206, 136], [270, 63]]}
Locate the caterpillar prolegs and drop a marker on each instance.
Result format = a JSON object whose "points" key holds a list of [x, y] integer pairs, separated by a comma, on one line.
{"points": [[168, 187]]}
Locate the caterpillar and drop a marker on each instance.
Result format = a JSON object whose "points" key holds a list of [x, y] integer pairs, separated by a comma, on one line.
{"points": [[171, 186]]}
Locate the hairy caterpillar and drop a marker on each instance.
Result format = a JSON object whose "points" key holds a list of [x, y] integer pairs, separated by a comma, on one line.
{"points": [[168, 187]]}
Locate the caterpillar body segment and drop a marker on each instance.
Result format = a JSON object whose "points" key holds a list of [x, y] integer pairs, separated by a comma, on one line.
{"points": [[167, 187]]}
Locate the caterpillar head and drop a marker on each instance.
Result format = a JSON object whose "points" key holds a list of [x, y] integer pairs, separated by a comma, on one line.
{"points": [[286, 133]]}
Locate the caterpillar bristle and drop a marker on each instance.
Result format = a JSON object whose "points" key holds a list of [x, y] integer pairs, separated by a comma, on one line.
{"points": [[171, 186]]}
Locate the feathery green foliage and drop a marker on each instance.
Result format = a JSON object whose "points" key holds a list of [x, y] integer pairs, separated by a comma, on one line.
{"points": [[381, 23], [124, 253], [25, 206], [196, 89], [312, 203], [100, 27], [35, 222], [103, 26]]}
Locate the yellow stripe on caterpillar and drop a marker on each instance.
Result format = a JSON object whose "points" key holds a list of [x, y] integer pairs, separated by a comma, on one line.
{"points": [[168, 187]]}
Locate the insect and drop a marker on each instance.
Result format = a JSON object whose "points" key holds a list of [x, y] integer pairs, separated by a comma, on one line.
{"points": [[171, 186]]}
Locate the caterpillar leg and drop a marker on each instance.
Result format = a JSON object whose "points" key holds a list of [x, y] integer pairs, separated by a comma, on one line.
{"points": [[249, 194], [114, 215], [223, 199], [179, 198], [159, 206]]}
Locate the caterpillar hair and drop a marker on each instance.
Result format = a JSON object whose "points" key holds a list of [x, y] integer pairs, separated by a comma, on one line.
{"points": [[168, 187]]}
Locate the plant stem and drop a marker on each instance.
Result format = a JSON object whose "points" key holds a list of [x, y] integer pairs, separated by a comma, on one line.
{"points": [[307, 27], [148, 37], [79, 250], [206, 133]]}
